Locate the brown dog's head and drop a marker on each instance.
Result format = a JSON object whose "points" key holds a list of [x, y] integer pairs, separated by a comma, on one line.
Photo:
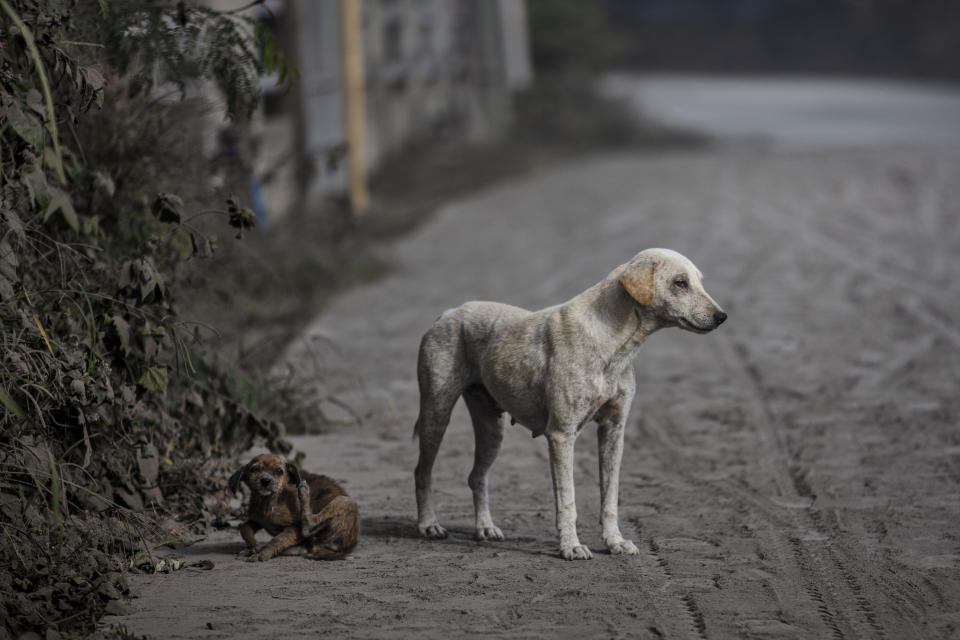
{"points": [[266, 474]]}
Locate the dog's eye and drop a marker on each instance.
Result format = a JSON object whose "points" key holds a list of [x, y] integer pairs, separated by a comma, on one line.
{"points": [[278, 471], [681, 283]]}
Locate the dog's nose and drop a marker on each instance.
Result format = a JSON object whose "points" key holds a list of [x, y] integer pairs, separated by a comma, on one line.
{"points": [[719, 317], [264, 482]]}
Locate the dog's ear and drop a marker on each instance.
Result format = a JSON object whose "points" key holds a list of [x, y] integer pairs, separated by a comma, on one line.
{"points": [[293, 472], [637, 279], [235, 479]]}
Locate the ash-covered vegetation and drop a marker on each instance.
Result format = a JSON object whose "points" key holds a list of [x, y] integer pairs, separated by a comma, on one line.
{"points": [[117, 425]]}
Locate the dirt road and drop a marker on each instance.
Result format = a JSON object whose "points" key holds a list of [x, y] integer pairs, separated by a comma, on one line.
{"points": [[794, 474]]}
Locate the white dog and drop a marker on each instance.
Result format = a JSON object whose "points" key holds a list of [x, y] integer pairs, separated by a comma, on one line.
{"points": [[553, 371]]}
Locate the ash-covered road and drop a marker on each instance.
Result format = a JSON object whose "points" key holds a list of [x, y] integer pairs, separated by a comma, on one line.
{"points": [[794, 474]]}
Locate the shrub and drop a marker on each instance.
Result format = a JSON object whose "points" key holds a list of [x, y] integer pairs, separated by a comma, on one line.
{"points": [[112, 413]]}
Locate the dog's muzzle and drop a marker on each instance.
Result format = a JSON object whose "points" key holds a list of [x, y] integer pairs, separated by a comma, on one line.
{"points": [[265, 486], [719, 317]]}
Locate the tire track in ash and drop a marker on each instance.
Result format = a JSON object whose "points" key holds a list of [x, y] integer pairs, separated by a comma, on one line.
{"points": [[844, 605], [838, 557], [806, 556], [849, 597], [803, 603], [678, 613], [905, 589]]}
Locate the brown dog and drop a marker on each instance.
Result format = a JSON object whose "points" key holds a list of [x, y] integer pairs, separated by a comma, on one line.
{"points": [[307, 515]]}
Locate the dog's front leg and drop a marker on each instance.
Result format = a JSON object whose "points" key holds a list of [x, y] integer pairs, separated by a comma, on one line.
{"points": [[610, 445], [561, 444], [278, 544], [248, 531]]}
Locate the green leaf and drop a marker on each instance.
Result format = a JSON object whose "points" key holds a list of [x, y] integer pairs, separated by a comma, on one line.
{"points": [[154, 379]]}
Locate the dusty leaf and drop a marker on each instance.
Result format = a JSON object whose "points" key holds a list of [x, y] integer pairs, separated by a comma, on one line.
{"points": [[8, 261], [166, 207], [11, 404], [6, 290], [14, 223], [103, 182], [148, 463], [35, 180], [150, 282], [79, 389], [27, 126], [58, 200], [240, 217], [121, 329]]}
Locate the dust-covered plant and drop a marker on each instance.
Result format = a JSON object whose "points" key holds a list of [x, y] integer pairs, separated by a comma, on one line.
{"points": [[112, 414]]}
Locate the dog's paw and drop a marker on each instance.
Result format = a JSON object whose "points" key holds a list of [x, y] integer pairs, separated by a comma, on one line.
{"points": [[624, 547], [432, 531], [303, 491], [247, 552], [578, 552], [489, 533], [261, 556]]}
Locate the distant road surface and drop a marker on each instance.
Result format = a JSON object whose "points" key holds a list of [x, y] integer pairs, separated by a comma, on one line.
{"points": [[797, 111]]}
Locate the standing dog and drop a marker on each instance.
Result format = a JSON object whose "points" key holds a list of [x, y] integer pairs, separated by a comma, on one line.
{"points": [[553, 371], [307, 515]]}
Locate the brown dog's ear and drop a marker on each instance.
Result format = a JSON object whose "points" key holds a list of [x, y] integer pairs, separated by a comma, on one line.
{"points": [[638, 280], [293, 472], [235, 479]]}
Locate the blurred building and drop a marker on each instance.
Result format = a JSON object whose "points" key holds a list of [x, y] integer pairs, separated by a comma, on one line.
{"points": [[432, 67]]}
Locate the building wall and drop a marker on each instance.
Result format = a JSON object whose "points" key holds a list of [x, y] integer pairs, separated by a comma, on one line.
{"points": [[433, 68]]}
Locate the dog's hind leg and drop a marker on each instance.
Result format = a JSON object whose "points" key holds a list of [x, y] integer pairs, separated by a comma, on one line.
{"points": [[431, 426], [332, 532], [488, 433], [610, 419], [442, 374], [339, 513]]}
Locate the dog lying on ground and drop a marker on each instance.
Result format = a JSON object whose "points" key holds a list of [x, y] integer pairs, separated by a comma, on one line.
{"points": [[307, 515], [553, 371]]}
